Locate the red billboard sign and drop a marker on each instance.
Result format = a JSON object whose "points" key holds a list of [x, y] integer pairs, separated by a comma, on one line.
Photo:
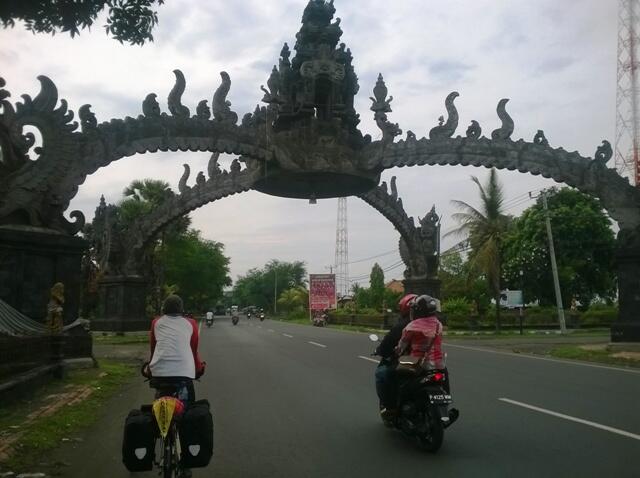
{"points": [[322, 293]]}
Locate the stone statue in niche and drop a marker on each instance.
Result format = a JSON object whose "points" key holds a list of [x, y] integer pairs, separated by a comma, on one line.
{"points": [[55, 308]]}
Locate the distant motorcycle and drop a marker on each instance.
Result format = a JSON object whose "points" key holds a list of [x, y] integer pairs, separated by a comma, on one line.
{"points": [[261, 316], [423, 403], [248, 315], [209, 322], [235, 319]]}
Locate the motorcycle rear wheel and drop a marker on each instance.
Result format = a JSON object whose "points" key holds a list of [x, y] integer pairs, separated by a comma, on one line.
{"points": [[432, 441]]}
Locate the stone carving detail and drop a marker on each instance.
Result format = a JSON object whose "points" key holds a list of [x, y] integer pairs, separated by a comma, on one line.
{"points": [[540, 139], [212, 167], [446, 130], [220, 105], [175, 97], [88, 120], [203, 111], [604, 152], [381, 106], [182, 184], [474, 130], [418, 245], [506, 130], [150, 106]]}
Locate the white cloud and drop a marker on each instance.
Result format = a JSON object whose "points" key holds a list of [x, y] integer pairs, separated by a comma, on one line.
{"points": [[555, 60]]}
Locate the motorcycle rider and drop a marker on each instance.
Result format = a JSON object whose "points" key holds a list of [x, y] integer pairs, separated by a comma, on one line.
{"points": [[422, 337], [386, 385], [209, 318], [174, 349]]}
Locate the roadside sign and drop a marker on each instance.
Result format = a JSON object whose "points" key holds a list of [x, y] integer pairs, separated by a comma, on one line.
{"points": [[322, 293]]}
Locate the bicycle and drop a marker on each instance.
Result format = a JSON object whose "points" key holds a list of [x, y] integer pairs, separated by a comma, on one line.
{"points": [[167, 410]]}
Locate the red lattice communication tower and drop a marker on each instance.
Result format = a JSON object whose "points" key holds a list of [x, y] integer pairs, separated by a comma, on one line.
{"points": [[627, 94], [342, 250]]}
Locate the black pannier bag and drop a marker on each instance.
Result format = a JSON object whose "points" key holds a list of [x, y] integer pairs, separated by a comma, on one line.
{"points": [[138, 444], [196, 435]]}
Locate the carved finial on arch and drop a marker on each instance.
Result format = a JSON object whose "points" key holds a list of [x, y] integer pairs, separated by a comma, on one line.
{"points": [[220, 105], [604, 152], [394, 189], [200, 179], [381, 106], [411, 136], [213, 169], [446, 130], [182, 185], [88, 120], [540, 139], [235, 167], [175, 97], [506, 130], [150, 106], [474, 130], [203, 111]]}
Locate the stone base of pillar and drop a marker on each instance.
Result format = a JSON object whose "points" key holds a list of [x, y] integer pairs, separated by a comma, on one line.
{"points": [[422, 285], [32, 260], [627, 327], [625, 332], [121, 306]]}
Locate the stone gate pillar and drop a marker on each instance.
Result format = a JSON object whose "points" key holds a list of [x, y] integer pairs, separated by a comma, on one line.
{"points": [[32, 260], [121, 304], [627, 327], [422, 285]]}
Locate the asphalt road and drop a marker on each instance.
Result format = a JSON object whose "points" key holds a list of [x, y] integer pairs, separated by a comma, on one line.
{"points": [[298, 401]]}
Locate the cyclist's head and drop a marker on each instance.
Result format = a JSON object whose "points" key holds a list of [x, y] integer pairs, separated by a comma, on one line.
{"points": [[404, 305], [172, 305]]}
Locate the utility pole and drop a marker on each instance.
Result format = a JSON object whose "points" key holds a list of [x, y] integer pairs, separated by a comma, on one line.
{"points": [[554, 266]]}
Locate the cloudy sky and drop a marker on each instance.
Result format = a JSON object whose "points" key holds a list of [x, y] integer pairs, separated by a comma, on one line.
{"points": [[555, 60]]}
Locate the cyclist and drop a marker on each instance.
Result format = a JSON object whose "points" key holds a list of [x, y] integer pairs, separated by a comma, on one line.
{"points": [[174, 350]]}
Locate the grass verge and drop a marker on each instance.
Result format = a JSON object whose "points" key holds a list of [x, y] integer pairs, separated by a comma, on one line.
{"points": [[114, 339], [42, 423], [604, 355], [537, 334]]}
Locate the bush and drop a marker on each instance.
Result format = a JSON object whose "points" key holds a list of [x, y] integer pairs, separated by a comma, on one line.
{"points": [[600, 314], [458, 307]]}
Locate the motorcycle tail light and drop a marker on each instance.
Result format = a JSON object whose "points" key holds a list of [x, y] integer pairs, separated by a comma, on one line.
{"points": [[437, 377]]}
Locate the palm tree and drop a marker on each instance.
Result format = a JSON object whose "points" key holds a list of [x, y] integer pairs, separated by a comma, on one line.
{"points": [[485, 229]]}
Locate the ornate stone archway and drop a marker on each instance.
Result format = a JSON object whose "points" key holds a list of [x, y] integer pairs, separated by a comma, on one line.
{"points": [[304, 143]]}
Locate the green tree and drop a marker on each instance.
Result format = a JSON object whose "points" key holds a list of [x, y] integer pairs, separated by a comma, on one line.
{"points": [[376, 287], [295, 298], [130, 21], [259, 286], [486, 228], [461, 281], [197, 267], [584, 245]]}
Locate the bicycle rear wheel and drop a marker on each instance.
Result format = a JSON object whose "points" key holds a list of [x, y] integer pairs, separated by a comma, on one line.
{"points": [[168, 465]]}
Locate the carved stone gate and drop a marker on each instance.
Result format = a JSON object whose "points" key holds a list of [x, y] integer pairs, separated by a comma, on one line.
{"points": [[305, 143]]}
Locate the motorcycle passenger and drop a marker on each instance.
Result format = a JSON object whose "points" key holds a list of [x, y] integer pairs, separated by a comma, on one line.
{"points": [[422, 337], [386, 385], [174, 350]]}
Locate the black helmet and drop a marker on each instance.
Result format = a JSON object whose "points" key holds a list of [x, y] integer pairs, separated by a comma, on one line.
{"points": [[424, 305], [172, 305]]}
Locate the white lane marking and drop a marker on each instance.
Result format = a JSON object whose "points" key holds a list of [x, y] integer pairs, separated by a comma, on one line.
{"points": [[527, 356], [318, 345], [287, 335], [572, 419], [368, 358], [270, 330]]}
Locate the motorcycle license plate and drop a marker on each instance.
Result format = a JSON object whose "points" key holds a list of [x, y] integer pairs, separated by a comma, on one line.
{"points": [[440, 399]]}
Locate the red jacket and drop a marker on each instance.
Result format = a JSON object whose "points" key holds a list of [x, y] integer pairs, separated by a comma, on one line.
{"points": [[423, 338]]}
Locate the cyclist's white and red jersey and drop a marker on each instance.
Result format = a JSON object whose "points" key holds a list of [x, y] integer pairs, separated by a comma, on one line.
{"points": [[423, 337], [174, 347]]}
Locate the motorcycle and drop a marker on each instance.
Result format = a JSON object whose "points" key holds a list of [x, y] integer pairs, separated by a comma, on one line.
{"points": [[209, 322], [235, 319], [249, 315], [262, 317], [422, 410]]}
